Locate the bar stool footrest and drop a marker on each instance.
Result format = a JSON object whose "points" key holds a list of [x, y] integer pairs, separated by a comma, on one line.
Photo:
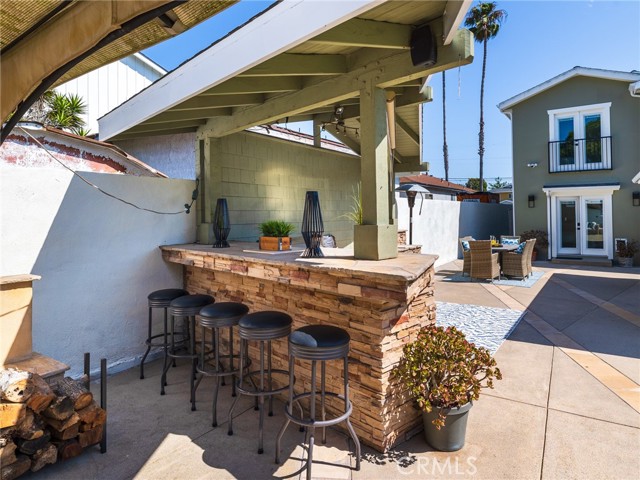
{"points": [[255, 392], [307, 422]]}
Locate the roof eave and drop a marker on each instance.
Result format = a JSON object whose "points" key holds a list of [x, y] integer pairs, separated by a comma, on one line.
{"points": [[505, 106], [285, 25]]}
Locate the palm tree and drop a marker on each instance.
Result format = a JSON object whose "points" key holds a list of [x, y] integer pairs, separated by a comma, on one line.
{"points": [[484, 22], [445, 148], [60, 111]]}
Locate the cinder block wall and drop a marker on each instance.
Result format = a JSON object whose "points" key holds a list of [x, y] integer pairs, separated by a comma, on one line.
{"points": [[264, 178]]}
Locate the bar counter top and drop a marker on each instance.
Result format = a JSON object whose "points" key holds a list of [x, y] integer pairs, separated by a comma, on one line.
{"points": [[407, 267], [381, 304]]}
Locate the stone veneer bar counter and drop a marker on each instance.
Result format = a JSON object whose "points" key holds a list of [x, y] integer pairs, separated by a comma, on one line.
{"points": [[382, 304]]}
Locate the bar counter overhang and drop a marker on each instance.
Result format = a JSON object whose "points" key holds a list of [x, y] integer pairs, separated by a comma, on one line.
{"points": [[382, 304]]}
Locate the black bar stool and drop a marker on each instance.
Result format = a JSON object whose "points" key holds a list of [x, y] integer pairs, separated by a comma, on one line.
{"points": [[216, 317], [187, 306], [318, 343], [159, 299], [263, 327]]}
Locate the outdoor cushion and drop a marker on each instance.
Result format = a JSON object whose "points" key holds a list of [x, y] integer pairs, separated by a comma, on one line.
{"points": [[320, 336], [520, 248], [191, 301], [167, 294], [224, 310], [465, 245], [510, 241], [266, 319]]}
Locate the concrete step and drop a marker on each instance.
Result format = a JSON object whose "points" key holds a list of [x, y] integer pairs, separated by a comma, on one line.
{"points": [[584, 261]]}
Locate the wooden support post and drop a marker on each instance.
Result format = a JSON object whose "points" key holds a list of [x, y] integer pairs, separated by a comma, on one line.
{"points": [[376, 239], [317, 132]]}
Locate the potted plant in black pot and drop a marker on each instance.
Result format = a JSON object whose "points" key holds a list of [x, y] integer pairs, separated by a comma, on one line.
{"points": [[445, 372], [542, 241]]}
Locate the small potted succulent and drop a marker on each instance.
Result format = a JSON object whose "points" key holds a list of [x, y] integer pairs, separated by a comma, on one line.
{"points": [[542, 240], [445, 372], [625, 252], [275, 235]]}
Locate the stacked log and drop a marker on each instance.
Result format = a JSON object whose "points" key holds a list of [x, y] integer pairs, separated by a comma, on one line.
{"points": [[42, 424]]}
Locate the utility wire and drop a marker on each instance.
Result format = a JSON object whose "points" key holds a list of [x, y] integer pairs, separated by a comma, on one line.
{"points": [[187, 206]]}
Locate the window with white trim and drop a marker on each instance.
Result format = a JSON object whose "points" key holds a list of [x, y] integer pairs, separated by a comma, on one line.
{"points": [[580, 138]]}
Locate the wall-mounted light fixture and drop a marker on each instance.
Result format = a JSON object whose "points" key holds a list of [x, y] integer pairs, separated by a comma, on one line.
{"points": [[532, 164], [636, 199], [532, 201]]}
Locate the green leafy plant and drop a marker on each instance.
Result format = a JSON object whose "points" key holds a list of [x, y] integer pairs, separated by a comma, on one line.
{"points": [[355, 215], [275, 228], [542, 240], [627, 250], [443, 370]]}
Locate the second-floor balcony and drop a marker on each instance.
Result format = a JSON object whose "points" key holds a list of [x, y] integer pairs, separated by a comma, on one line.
{"points": [[578, 155]]}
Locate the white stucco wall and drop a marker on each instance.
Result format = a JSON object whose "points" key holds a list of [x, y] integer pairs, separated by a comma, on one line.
{"points": [[443, 222], [173, 155], [98, 258]]}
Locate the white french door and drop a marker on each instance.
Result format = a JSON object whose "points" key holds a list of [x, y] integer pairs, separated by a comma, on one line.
{"points": [[568, 225], [582, 227]]}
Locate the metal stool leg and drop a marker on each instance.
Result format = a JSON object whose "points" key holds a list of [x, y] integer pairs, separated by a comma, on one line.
{"points": [[323, 371], [289, 408], [269, 379], [312, 414], [352, 432], [261, 397], [144, 357], [167, 364], [192, 349], [216, 386], [243, 347], [233, 378]]}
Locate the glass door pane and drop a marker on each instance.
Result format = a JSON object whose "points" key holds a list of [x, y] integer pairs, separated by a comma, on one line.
{"points": [[568, 224], [566, 136], [593, 138], [595, 222]]}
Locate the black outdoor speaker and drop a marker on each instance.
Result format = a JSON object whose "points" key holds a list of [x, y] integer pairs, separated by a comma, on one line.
{"points": [[423, 47]]}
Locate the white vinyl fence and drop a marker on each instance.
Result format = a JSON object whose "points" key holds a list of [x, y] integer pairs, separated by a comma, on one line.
{"points": [[98, 258]]}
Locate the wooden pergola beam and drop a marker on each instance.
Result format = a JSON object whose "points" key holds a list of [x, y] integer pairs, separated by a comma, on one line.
{"points": [[245, 85], [216, 101], [358, 32], [289, 64]]}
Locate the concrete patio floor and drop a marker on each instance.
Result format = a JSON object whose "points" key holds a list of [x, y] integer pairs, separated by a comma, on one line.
{"points": [[568, 406]]}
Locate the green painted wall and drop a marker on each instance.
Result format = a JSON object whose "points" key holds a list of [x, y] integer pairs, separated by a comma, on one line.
{"points": [[530, 134], [266, 179]]}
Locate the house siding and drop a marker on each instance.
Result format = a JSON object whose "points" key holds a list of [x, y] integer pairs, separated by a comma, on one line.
{"points": [[266, 179], [530, 130]]}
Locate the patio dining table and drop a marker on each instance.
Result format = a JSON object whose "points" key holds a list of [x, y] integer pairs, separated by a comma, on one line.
{"points": [[503, 248]]}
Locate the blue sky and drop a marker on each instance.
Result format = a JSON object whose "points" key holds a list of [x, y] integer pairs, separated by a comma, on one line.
{"points": [[539, 40]]}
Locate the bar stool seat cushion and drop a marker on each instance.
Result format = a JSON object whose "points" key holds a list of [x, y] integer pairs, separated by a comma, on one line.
{"points": [[224, 310], [319, 336], [192, 301], [267, 319], [167, 294]]}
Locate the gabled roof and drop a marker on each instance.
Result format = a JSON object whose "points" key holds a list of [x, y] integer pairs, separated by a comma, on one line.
{"points": [[615, 75], [303, 61], [431, 181]]}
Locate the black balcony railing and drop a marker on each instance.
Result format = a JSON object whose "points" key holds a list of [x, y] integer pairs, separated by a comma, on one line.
{"points": [[580, 155]]}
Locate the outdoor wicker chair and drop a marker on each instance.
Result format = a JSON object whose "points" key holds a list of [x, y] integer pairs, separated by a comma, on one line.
{"points": [[509, 237], [466, 256], [530, 255], [518, 264], [484, 264]]}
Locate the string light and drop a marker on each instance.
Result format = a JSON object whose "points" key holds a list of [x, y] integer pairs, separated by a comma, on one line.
{"points": [[187, 206]]}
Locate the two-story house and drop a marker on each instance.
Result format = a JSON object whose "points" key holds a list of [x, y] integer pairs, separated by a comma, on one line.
{"points": [[576, 149]]}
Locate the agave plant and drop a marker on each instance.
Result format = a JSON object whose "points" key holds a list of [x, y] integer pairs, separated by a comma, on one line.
{"points": [[275, 228], [355, 215]]}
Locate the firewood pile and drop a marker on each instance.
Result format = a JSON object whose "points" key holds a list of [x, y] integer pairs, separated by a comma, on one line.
{"points": [[41, 423]]}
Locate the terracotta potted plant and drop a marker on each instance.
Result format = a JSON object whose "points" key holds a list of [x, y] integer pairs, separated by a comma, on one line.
{"points": [[275, 235], [625, 252], [542, 241], [445, 372]]}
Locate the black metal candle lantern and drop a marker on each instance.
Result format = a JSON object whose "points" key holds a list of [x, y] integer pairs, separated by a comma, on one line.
{"points": [[221, 227], [312, 227]]}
